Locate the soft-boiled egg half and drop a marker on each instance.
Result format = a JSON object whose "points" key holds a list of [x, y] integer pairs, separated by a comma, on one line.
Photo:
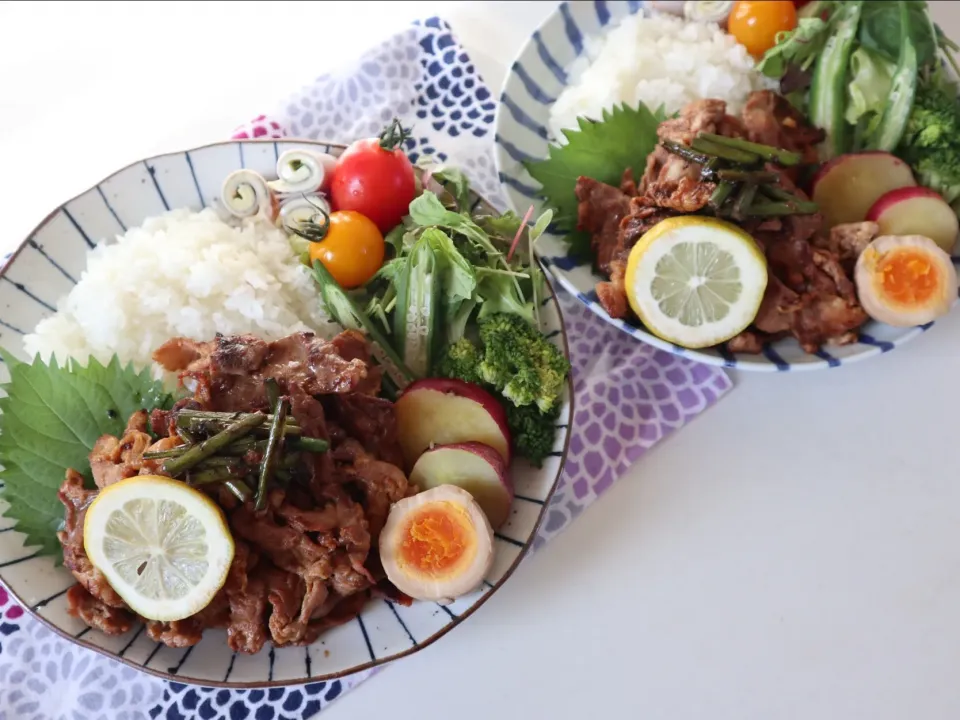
{"points": [[905, 280], [437, 545]]}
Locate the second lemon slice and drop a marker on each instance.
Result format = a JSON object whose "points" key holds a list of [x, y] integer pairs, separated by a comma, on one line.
{"points": [[696, 281], [162, 545]]}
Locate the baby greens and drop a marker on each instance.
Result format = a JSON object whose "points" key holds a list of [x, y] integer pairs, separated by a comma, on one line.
{"points": [[451, 267], [456, 273], [867, 60]]}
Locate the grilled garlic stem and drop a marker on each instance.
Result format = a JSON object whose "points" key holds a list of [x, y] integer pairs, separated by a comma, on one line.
{"points": [[303, 171], [301, 209], [245, 193]]}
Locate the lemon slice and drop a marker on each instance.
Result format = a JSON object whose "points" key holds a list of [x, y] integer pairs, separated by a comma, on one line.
{"points": [[696, 281], [163, 546]]}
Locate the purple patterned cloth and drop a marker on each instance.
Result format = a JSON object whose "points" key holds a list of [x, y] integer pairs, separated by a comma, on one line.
{"points": [[628, 396]]}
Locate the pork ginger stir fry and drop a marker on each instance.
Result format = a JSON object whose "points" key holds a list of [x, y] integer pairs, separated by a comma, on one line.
{"points": [[810, 294], [307, 560]]}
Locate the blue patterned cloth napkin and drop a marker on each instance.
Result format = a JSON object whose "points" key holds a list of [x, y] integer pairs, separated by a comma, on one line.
{"points": [[628, 395]]}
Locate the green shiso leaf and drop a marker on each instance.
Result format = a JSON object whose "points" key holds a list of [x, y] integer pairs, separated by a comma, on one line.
{"points": [[49, 421]]}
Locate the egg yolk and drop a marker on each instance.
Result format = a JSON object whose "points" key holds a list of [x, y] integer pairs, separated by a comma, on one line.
{"points": [[438, 538], [908, 277]]}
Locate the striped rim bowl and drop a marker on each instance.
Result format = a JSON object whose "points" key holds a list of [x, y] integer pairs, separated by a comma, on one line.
{"points": [[534, 81], [43, 270]]}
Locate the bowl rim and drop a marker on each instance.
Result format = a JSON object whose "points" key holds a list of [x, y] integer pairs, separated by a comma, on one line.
{"points": [[420, 645], [750, 363]]}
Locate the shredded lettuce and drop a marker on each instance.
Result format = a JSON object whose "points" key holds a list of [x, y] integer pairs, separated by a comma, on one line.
{"points": [[869, 88]]}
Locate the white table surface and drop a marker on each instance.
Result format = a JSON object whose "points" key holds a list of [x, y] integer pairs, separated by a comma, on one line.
{"points": [[793, 553]]}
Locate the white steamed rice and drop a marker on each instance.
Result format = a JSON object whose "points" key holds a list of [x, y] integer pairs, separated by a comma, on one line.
{"points": [[659, 60], [186, 274]]}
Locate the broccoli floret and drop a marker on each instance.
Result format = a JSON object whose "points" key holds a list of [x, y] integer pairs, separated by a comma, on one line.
{"points": [[520, 362], [552, 371], [524, 368], [505, 345], [941, 174], [931, 140], [460, 361], [533, 432], [934, 121]]}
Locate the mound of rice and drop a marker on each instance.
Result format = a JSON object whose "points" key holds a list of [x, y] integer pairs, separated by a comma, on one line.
{"points": [[182, 273], [659, 59]]}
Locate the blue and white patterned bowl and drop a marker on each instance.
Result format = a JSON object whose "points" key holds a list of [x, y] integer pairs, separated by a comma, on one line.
{"points": [[533, 83], [46, 266]]}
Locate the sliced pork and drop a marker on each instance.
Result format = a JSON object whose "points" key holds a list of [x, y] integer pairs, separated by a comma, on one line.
{"points": [[809, 295], [309, 560]]}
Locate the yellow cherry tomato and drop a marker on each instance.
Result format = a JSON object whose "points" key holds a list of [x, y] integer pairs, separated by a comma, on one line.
{"points": [[755, 24], [352, 250]]}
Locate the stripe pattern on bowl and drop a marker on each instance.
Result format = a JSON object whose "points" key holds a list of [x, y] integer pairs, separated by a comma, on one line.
{"points": [[535, 80], [45, 268]]}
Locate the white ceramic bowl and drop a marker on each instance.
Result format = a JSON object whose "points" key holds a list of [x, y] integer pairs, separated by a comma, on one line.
{"points": [[45, 267], [534, 81]]}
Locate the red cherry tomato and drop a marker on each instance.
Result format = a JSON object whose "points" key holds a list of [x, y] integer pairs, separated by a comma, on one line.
{"points": [[375, 178], [352, 250], [755, 25]]}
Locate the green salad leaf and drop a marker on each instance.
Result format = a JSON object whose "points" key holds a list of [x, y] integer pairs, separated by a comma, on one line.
{"points": [[503, 226], [459, 279], [880, 30], [389, 271], [537, 283], [500, 292], [51, 417], [799, 47], [601, 150], [454, 182], [428, 211], [869, 88], [394, 238]]}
